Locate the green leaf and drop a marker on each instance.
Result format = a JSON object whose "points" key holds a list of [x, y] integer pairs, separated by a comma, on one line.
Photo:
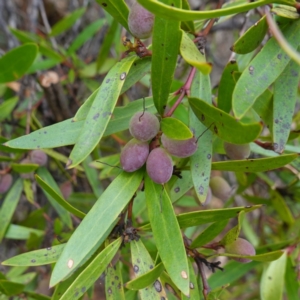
{"points": [[85, 35], [194, 288], [291, 282], [67, 22], [93, 177], [98, 223], [252, 38], [9, 205], [255, 165], [92, 272], [209, 233], [226, 86], [60, 134], [209, 216], [9, 288], [187, 26], [142, 263], [67, 132], [181, 186], [114, 283], [16, 62], [172, 13], [224, 125], [138, 70], [107, 43], [233, 271], [7, 107], [100, 112], [272, 280], [284, 101], [201, 159], [265, 257], [168, 242], [145, 279], [192, 55], [117, 9], [36, 258], [285, 11], [58, 198], [278, 202], [234, 232], [165, 46], [175, 129], [24, 168], [48, 180], [17, 232], [263, 71]]}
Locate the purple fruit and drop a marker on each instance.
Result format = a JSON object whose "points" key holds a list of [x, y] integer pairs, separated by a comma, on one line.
{"points": [[134, 155], [144, 126], [5, 183], [237, 152], [180, 148], [240, 247], [159, 165], [140, 21], [220, 188], [39, 157]]}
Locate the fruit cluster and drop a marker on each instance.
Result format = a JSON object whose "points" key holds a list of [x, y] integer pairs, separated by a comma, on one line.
{"points": [[145, 126]]}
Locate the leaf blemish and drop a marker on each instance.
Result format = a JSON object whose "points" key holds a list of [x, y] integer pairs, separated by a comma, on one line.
{"points": [[184, 275], [157, 286], [192, 286], [70, 263], [136, 269], [279, 55], [177, 189], [251, 69], [123, 76], [96, 116]]}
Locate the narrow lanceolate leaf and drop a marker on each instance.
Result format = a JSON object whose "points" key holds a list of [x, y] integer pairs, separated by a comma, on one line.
{"points": [[16, 62], [48, 179], [284, 212], [142, 263], [252, 38], [167, 234], [100, 112], [272, 281], [192, 55], [92, 272], [224, 125], [263, 71], [255, 165], [67, 132], [209, 233], [98, 223], [85, 35], [58, 198], [194, 288], [284, 100], [175, 129], [146, 279], [17, 232], [114, 283], [173, 13], [9, 205], [67, 22], [266, 257], [9, 288], [201, 159], [165, 46], [7, 107], [291, 282], [36, 258], [118, 9], [209, 216], [226, 86], [181, 186]]}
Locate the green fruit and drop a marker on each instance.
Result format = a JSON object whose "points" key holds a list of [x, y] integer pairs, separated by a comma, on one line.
{"points": [[220, 188], [241, 247]]}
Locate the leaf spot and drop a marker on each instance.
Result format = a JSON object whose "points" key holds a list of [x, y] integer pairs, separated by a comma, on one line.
{"points": [[251, 69], [192, 286], [70, 263], [184, 274], [136, 268], [123, 76], [49, 248], [33, 260], [157, 286]]}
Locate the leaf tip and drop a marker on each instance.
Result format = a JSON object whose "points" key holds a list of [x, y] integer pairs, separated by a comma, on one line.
{"points": [[69, 164]]}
